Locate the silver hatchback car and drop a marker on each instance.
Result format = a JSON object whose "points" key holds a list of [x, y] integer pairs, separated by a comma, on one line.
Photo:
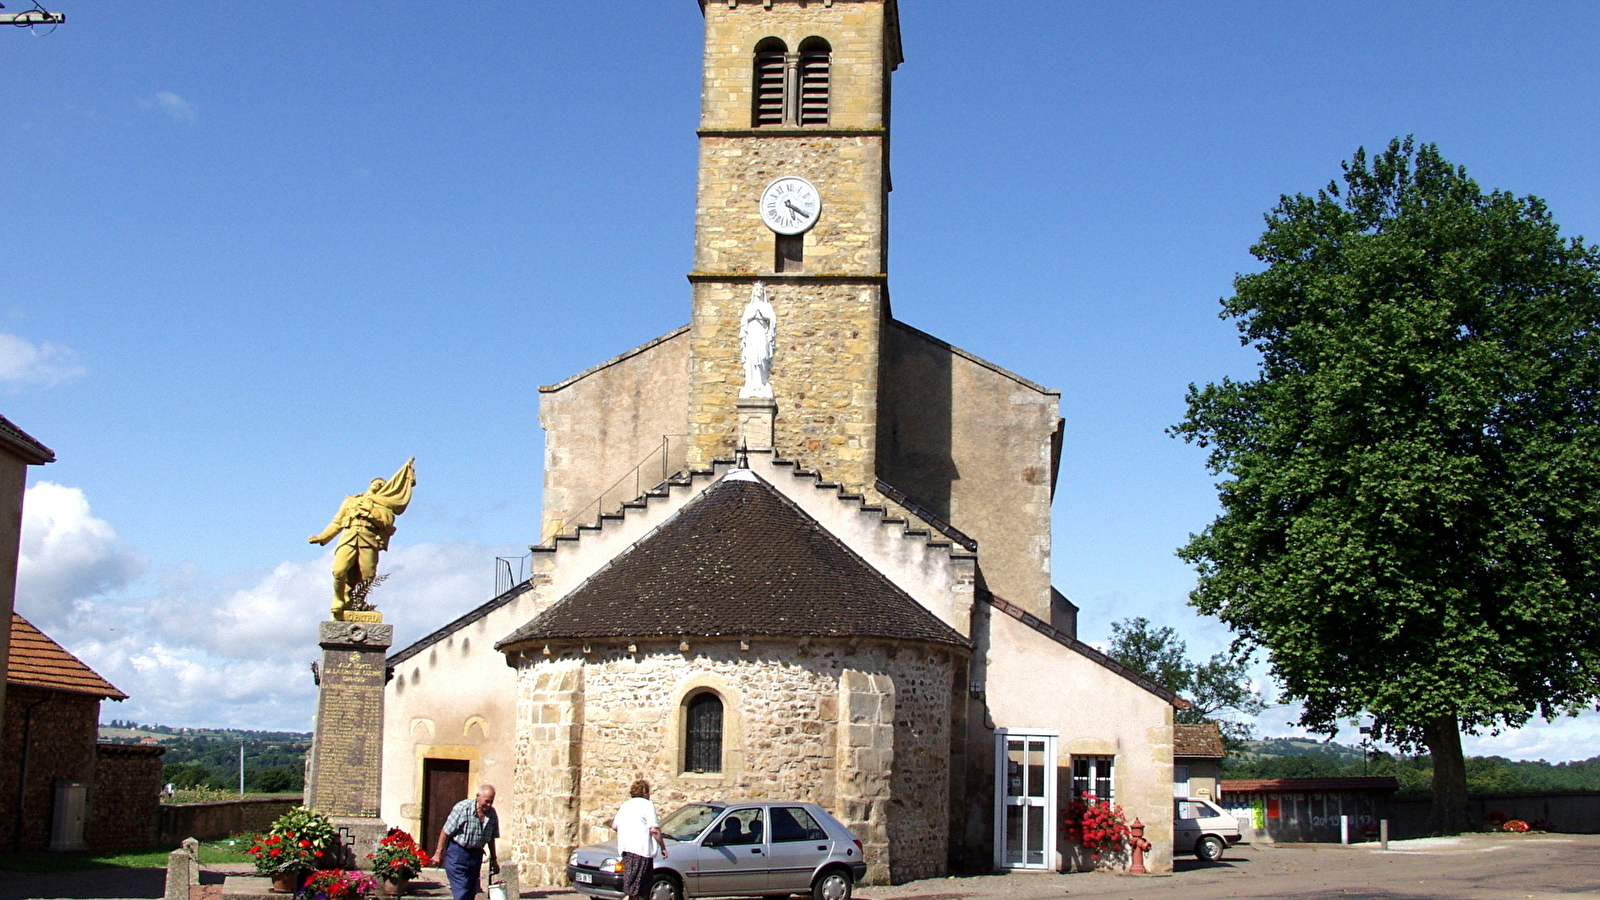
{"points": [[743, 848]]}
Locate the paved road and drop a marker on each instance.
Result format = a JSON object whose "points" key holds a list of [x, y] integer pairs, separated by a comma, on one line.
{"points": [[1471, 867]]}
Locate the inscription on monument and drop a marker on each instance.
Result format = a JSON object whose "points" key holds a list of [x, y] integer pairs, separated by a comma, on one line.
{"points": [[348, 760]]}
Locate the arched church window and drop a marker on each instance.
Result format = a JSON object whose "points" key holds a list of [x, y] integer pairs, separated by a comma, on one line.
{"points": [[815, 60], [769, 106], [702, 746]]}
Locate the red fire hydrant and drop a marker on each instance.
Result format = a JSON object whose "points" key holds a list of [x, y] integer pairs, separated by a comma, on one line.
{"points": [[1139, 845]]}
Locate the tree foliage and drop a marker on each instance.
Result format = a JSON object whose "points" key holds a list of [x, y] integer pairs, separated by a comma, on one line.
{"points": [[1215, 688], [1410, 517]]}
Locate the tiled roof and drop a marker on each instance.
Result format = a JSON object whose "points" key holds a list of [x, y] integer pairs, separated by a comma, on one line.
{"points": [[1072, 643], [740, 559], [22, 444], [1308, 785], [1202, 740], [36, 661]]}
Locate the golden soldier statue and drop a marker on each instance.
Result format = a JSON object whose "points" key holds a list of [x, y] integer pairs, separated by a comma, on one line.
{"points": [[366, 522]]}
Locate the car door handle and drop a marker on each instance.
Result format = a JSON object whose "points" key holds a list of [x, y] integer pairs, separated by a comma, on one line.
{"points": [[822, 847], [755, 849]]}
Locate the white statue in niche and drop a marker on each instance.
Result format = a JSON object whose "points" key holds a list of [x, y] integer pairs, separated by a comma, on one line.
{"points": [[758, 340]]}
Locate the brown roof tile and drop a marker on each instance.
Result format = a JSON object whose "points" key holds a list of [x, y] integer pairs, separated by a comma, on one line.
{"points": [[740, 559], [1202, 740], [1308, 785], [36, 661]]}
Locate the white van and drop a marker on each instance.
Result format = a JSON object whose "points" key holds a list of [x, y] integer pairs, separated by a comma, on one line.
{"points": [[1202, 828]]}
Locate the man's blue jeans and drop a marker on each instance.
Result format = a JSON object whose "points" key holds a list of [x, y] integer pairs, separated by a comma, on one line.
{"points": [[464, 867]]}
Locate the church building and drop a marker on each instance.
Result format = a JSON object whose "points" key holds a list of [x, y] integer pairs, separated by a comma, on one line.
{"points": [[795, 549]]}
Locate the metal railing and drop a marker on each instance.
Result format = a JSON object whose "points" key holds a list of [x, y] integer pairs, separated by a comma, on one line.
{"points": [[509, 571], [668, 460]]}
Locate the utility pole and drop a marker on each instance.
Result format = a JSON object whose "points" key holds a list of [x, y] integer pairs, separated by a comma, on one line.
{"points": [[241, 767]]}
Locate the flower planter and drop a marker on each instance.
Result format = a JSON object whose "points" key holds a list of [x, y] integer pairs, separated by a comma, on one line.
{"points": [[394, 887], [287, 882]]}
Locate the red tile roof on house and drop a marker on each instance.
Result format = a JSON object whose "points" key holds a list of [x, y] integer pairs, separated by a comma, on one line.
{"points": [[1202, 740], [38, 662], [1308, 785]]}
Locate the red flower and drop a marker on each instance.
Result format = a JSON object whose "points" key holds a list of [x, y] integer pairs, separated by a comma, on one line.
{"points": [[276, 852], [305, 845]]}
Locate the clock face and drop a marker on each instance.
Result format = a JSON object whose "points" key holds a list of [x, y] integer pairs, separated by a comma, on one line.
{"points": [[790, 205]]}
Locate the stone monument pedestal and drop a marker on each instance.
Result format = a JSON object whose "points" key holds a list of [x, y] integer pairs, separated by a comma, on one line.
{"points": [[347, 749], [756, 418]]}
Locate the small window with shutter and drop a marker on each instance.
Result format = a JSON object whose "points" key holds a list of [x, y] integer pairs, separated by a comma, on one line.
{"points": [[791, 88], [702, 746]]}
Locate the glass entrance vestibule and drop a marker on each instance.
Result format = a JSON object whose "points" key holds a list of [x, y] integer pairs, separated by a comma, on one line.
{"points": [[1025, 799]]}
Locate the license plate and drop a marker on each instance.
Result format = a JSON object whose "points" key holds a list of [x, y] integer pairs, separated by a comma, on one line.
{"points": [[584, 877]]}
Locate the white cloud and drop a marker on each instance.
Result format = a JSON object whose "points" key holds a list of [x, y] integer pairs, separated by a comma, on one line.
{"points": [[23, 362], [193, 649], [175, 107], [68, 556]]}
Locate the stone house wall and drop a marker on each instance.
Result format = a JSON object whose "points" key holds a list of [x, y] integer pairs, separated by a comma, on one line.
{"points": [[125, 799], [65, 729], [862, 731]]}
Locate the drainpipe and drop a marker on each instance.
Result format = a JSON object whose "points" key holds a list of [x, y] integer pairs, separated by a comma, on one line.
{"points": [[22, 781]]}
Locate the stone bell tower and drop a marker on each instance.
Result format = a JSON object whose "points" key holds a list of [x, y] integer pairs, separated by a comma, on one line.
{"points": [[795, 90]]}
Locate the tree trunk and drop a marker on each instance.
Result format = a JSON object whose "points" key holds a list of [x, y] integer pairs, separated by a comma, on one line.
{"points": [[1449, 812]]}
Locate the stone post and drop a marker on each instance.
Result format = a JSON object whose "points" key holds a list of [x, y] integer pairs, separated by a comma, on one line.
{"points": [[347, 749]]}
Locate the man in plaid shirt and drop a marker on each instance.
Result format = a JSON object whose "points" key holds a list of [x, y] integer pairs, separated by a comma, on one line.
{"points": [[472, 825]]}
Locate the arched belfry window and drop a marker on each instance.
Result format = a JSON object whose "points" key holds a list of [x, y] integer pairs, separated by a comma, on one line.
{"points": [[702, 745], [770, 78], [791, 88], [815, 59]]}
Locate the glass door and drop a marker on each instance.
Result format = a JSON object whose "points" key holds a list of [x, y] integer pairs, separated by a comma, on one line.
{"points": [[1025, 791]]}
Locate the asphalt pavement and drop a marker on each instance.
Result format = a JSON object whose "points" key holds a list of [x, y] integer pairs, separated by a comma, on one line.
{"points": [[1470, 867]]}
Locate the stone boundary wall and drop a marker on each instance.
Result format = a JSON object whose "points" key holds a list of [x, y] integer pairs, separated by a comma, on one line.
{"points": [[1570, 812], [125, 801], [224, 818]]}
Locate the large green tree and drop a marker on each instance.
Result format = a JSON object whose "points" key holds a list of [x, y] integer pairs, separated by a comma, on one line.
{"points": [[1410, 520], [1216, 689]]}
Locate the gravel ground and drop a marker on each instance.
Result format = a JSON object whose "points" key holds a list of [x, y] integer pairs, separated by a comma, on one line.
{"points": [[1471, 867]]}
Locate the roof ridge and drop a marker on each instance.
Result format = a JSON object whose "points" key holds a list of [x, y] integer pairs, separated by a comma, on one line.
{"points": [[1072, 643]]}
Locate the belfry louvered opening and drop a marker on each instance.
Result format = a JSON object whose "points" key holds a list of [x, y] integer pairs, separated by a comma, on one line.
{"points": [[769, 106], [791, 88], [815, 59]]}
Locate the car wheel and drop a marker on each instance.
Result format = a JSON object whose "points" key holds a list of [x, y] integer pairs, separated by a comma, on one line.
{"points": [[1208, 848], [665, 887], [833, 884]]}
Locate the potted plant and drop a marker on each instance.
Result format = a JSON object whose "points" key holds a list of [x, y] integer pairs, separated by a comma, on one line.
{"points": [[397, 861], [297, 843], [338, 884]]}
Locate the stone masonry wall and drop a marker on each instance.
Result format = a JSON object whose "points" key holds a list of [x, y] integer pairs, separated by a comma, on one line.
{"points": [[783, 711], [63, 736], [125, 801], [550, 711], [824, 375]]}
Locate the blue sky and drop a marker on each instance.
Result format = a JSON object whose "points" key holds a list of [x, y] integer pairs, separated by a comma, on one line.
{"points": [[259, 254]]}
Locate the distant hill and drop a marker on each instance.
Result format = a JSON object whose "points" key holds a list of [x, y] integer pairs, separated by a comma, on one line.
{"points": [[1309, 758], [209, 757]]}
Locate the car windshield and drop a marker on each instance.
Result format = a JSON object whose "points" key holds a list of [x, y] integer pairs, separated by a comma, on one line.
{"points": [[686, 822]]}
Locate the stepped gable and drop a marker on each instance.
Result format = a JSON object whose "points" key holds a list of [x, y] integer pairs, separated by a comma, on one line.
{"points": [[38, 662], [739, 560]]}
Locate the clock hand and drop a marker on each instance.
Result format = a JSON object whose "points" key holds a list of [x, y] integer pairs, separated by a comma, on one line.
{"points": [[795, 209]]}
